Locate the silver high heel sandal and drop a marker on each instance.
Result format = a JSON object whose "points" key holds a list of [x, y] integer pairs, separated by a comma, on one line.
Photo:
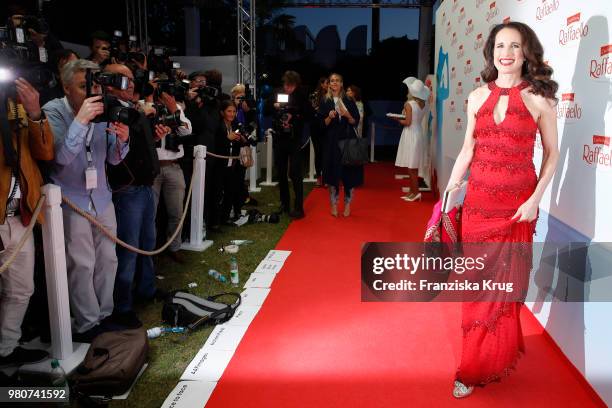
{"points": [[461, 390], [412, 197], [334, 210]]}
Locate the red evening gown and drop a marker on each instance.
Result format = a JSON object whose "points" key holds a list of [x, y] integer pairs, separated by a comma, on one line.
{"points": [[502, 177]]}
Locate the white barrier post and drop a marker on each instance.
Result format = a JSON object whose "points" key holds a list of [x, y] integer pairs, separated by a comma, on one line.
{"points": [[55, 269], [372, 141], [254, 172], [196, 237], [311, 167], [62, 348], [269, 154]]}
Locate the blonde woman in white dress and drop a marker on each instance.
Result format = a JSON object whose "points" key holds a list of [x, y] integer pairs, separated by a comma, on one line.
{"points": [[410, 150]]}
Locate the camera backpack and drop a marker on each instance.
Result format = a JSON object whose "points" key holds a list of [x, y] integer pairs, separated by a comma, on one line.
{"points": [[112, 363], [185, 309]]}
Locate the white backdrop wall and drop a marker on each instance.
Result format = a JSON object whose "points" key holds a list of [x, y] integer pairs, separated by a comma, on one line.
{"points": [[577, 40]]}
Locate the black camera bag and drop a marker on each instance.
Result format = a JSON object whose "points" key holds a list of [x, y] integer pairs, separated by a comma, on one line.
{"points": [[185, 309]]}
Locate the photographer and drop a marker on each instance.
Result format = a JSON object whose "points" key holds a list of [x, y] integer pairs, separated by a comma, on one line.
{"points": [[133, 195], [202, 108], [100, 47], [82, 147], [245, 123], [171, 181], [19, 193], [288, 124]]}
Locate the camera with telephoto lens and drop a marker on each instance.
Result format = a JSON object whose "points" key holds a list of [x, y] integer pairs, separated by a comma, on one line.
{"points": [[173, 121], [282, 121], [178, 89], [256, 217], [248, 97], [207, 93], [114, 110], [247, 130]]}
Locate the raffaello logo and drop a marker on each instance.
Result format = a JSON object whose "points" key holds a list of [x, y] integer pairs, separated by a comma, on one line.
{"points": [[459, 90], [451, 108], [477, 83], [598, 153], [468, 67], [492, 12], [547, 8], [460, 52], [568, 108], [602, 67], [454, 40], [470, 27], [479, 42], [465, 102], [573, 31], [461, 15], [453, 73], [455, 5], [459, 124], [448, 28], [480, 3]]}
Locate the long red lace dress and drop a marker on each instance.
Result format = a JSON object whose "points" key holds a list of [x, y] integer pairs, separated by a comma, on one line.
{"points": [[502, 177]]}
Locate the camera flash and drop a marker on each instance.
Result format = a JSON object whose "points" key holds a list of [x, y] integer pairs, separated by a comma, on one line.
{"points": [[133, 38], [118, 33], [282, 98], [5, 75]]}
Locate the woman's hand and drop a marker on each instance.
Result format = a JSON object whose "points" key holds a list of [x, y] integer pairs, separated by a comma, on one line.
{"points": [[28, 95], [233, 136], [332, 114], [161, 131], [121, 130], [527, 212]]}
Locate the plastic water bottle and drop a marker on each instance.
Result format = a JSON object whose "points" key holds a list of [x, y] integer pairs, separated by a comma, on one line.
{"points": [[217, 276], [58, 375], [234, 272], [159, 331]]}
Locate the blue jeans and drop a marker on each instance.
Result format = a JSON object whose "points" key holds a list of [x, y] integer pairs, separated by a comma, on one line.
{"points": [[135, 209]]}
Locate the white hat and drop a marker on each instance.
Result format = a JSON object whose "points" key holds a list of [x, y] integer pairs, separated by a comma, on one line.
{"points": [[418, 89], [409, 80]]}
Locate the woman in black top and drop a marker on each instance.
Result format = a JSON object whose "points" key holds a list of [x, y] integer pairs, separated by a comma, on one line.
{"points": [[339, 117], [229, 172]]}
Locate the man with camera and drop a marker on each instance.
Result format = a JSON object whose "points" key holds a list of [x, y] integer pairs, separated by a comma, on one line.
{"points": [[171, 181], [83, 145], [134, 200], [289, 107], [19, 193], [100, 48]]}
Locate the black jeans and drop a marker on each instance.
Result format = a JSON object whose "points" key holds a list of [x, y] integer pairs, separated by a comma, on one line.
{"points": [[288, 156]]}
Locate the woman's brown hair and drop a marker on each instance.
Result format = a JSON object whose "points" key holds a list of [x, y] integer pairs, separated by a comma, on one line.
{"points": [[356, 92], [534, 70]]}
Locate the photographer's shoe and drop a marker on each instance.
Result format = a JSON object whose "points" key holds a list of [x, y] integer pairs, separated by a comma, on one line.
{"points": [[297, 214], [21, 356]]}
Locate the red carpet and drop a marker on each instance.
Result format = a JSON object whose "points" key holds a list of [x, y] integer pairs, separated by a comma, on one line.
{"points": [[314, 344]]}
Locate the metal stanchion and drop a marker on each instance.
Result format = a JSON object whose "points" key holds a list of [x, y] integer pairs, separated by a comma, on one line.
{"points": [[311, 166], [269, 154], [254, 172], [197, 234], [372, 141]]}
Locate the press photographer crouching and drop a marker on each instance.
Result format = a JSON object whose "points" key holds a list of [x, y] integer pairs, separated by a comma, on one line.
{"points": [[289, 107], [171, 181], [134, 200], [87, 135], [26, 137]]}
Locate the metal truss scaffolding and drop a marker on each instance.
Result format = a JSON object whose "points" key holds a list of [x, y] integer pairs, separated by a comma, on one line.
{"points": [[353, 3], [245, 11]]}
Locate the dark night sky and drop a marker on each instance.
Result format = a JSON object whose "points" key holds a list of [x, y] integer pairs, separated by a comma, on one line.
{"points": [[393, 22]]}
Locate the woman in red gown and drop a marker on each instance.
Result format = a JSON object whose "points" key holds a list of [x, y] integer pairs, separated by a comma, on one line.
{"points": [[503, 192]]}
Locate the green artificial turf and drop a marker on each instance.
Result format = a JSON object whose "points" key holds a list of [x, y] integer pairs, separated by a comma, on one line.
{"points": [[170, 354]]}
